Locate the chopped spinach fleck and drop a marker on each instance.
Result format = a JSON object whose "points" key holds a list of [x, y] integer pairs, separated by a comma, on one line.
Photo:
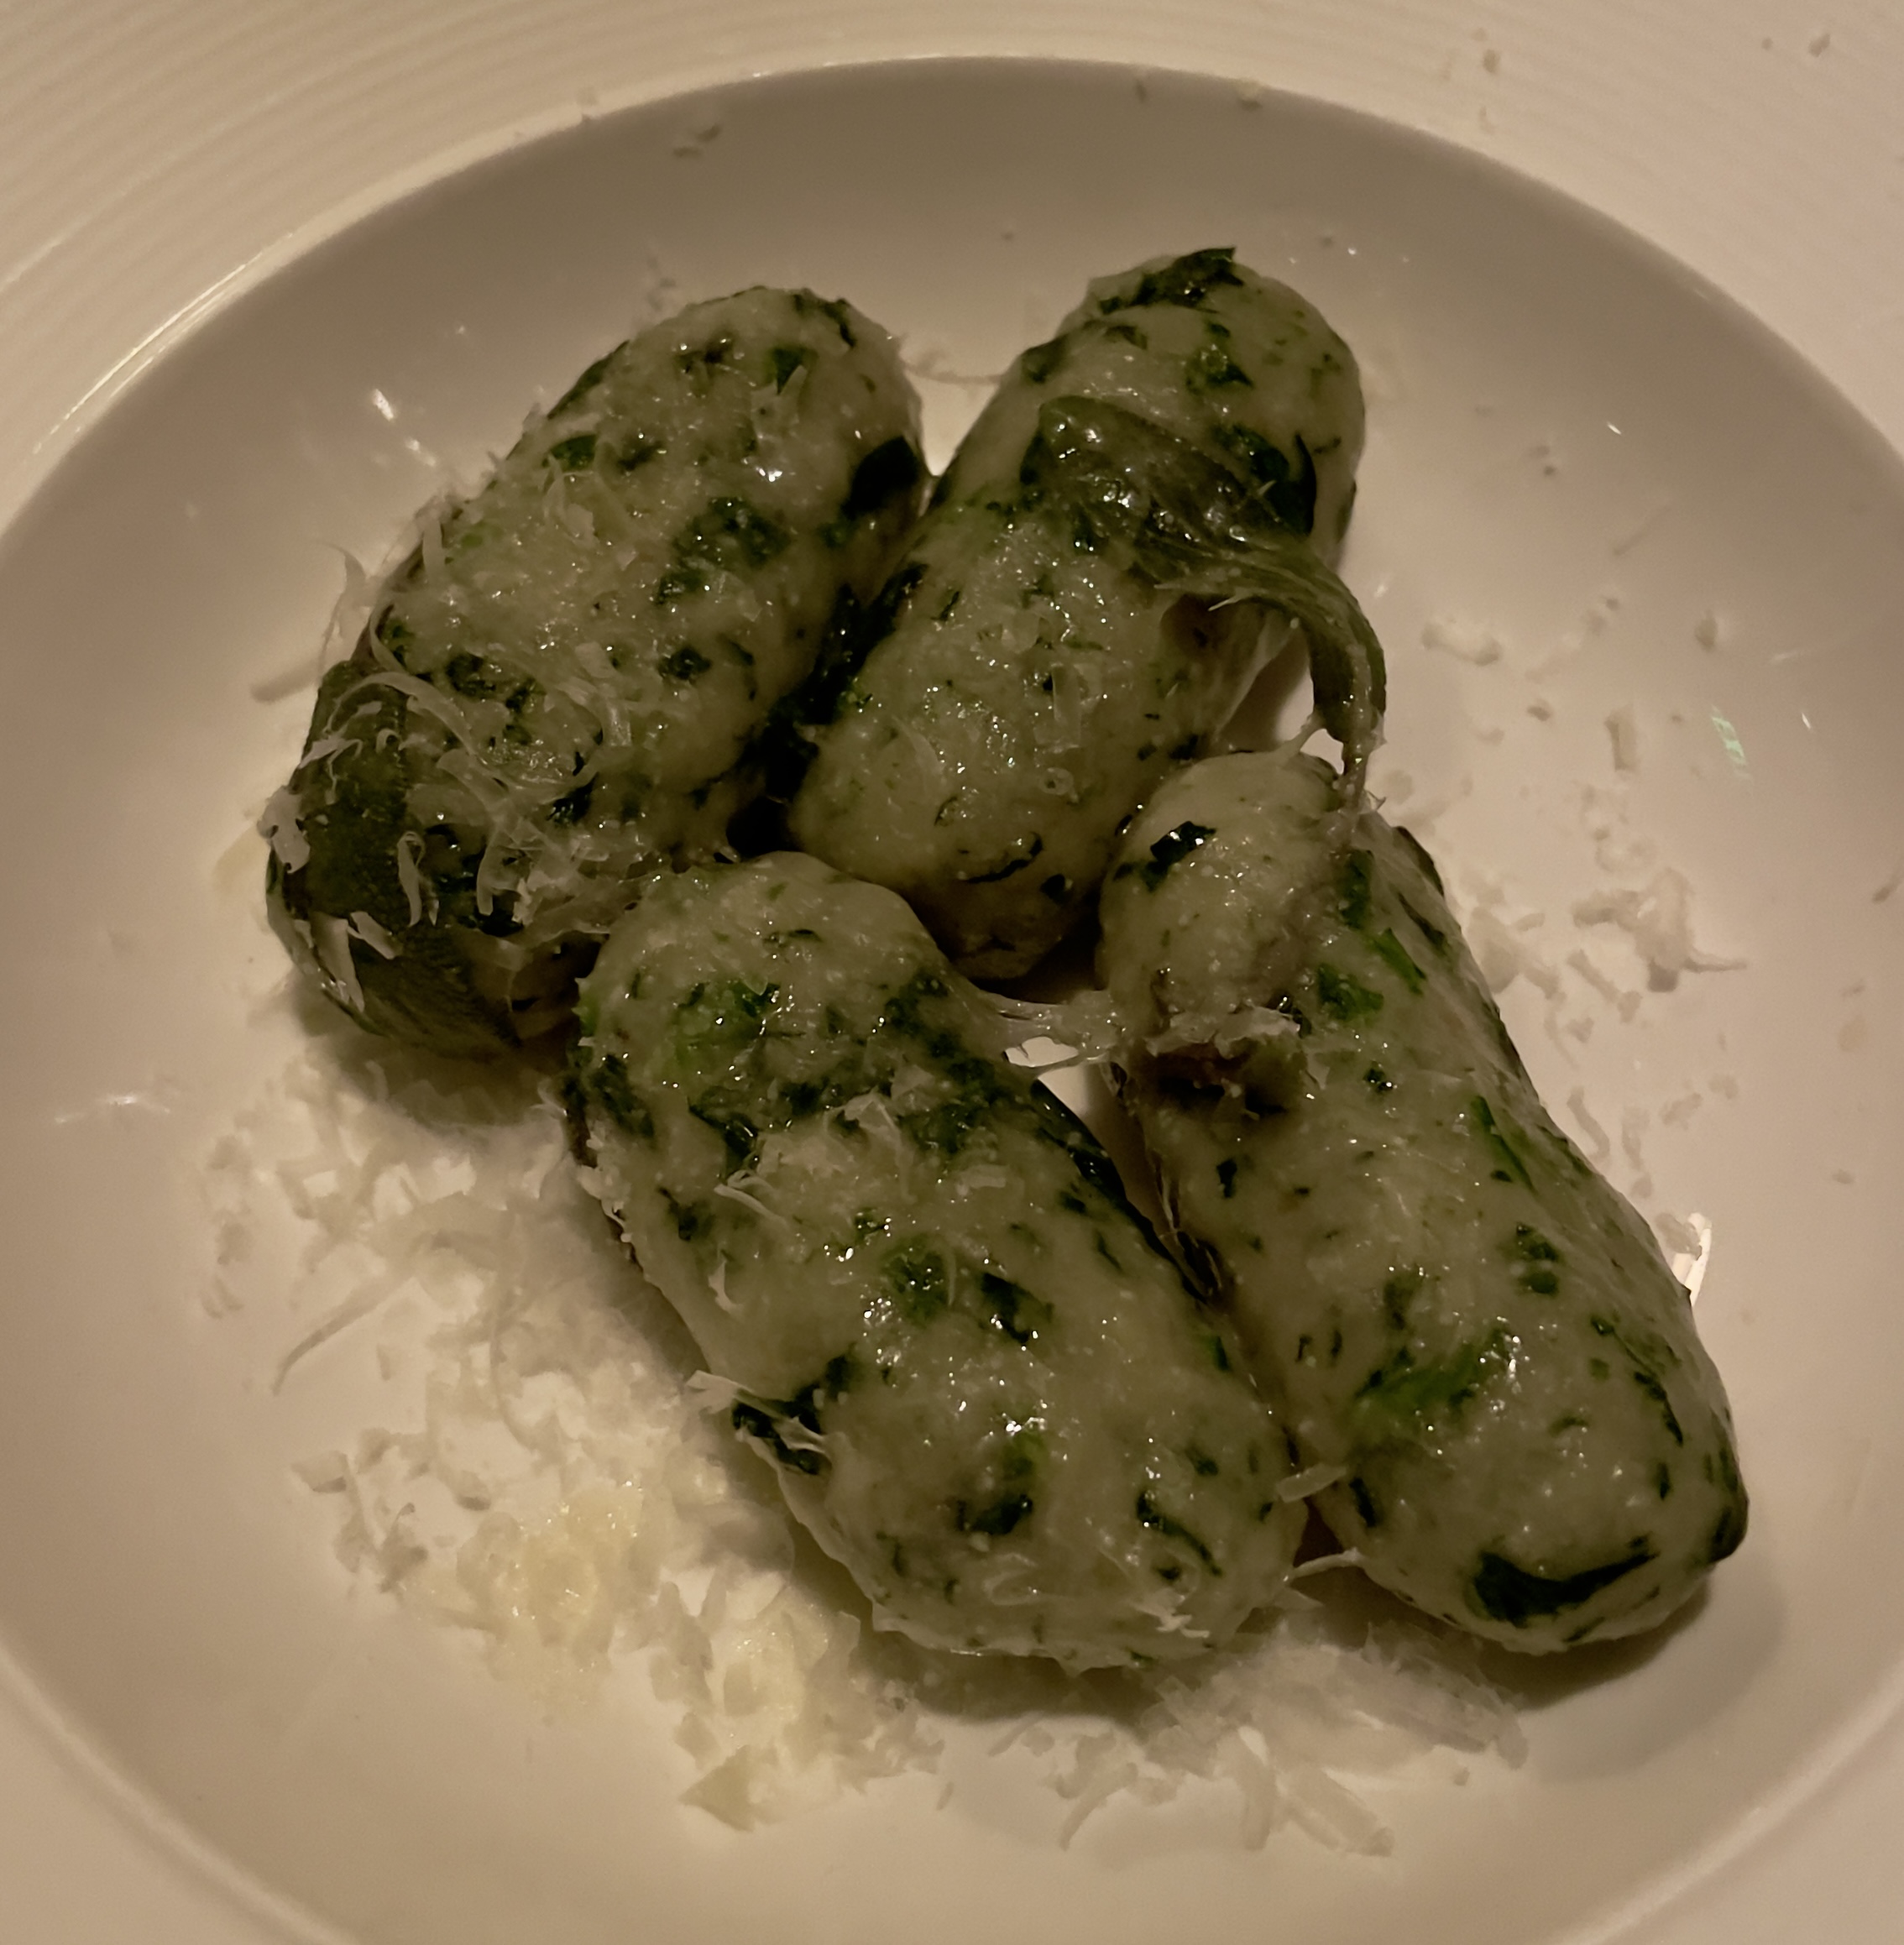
{"points": [[1412, 1392], [785, 359], [606, 1081], [1159, 1521], [1172, 848], [470, 675], [715, 1021], [692, 1220], [731, 534], [735, 1129], [1343, 997], [1002, 1516], [763, 1420], [1393, 955], [685, 663], [753, 1422], [1643, 1375], [1398, 1293], [1506, 1592], [886, 473], [591, 377], [1657, 1392], [1016, 1312], [1356, 888], [1186, 282], [575, 453], [1508, 1164], [915, 1274], [1529, 1242], [1211, 368], [1011, 866], [1288, 491], [572, 805], [1730, 1527]]}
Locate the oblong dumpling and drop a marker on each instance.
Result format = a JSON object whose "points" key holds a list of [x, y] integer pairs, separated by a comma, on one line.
{"points": [[987, 1392], [1028, 677], [553, 696], [1449, 1310]]}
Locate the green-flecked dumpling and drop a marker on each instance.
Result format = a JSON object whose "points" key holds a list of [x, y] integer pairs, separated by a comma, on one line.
{"points": [[1029, 676], [554, 695], [988, 1393], [1469, 1328]]}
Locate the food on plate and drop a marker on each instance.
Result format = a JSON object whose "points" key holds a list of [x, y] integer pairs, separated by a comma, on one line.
{"points": [[1029, 674], [1471, 1331], [986, 1390], [922, 1295], [554, 694]]}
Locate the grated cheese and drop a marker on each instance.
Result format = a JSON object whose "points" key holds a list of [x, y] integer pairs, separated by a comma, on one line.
{"points": [[551, 1477], [1658, 918], [1465, 640]]}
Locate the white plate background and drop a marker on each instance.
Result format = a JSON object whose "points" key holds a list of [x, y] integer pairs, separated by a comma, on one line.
{"points": [[148, 159]]}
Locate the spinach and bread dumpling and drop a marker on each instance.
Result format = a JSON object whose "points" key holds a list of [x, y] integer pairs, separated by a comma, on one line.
{"points": [[987, 1392], [1243, 368], [553, 695], [1028, 677], [1445, 1305]]}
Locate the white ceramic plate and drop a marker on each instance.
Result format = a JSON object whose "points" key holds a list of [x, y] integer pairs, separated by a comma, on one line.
{"points": [[1578, 452]]}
